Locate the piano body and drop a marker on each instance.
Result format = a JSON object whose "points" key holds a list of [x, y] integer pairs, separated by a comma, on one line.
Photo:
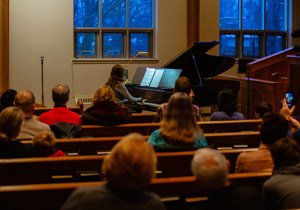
{"points": [[198, 67]]}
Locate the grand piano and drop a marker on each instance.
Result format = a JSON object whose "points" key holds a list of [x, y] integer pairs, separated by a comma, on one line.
{"points": [[198, 67]]}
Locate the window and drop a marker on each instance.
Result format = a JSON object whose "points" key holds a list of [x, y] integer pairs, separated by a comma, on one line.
{"points": [[252, 28], [113, 28]]}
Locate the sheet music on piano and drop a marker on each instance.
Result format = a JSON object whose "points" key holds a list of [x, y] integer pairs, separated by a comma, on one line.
{"points": [[161, 78], [153, 84]]}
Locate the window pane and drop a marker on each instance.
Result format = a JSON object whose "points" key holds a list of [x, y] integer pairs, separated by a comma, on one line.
{"points": [[228, 45], [229, 14], [139, 43], [114, 13], [85, 44], [275, 13], [86, 13], [113, 45], [140, 14], [274, 44], [248, 46], [252, 14]]}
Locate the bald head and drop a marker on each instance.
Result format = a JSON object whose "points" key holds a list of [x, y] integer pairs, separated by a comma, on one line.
{"points": [[210, 168], [25, 101], [60, 94]]}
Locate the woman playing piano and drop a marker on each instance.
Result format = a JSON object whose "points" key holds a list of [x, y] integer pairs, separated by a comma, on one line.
{"points": [[178, 127], [115, 81]]}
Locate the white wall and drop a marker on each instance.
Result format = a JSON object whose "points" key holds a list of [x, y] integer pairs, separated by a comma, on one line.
{"points": [[45, 28]]}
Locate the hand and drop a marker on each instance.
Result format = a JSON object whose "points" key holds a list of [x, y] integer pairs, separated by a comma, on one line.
{"points": [[294, 123], [143, 101], [286, 111]]}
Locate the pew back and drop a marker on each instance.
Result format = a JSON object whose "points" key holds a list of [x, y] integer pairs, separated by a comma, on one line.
{"points": [[53, 196], [100, 145], [147, 128], [81, 168]]}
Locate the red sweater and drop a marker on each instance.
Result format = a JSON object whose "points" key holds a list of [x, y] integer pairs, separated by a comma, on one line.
{"points": [[60, 114], [58, 153]]}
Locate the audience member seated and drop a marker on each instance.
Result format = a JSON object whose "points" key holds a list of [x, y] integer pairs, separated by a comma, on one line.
{"points": [[44, 145], [25, 100], [178, 127], [115, 81], [105, 110], [273, 127], [182, 85], [60, 113], [227, 107], [211, 171], [128, 169], [282, 190], [7, 99], [261, 108], [11, 120]]}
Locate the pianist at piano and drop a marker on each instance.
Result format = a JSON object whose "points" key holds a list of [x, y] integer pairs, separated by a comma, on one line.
{"points": [[115, 81], [194, 64], [182, 85]]}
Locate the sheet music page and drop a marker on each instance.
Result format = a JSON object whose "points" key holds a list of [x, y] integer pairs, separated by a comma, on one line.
{"points": [[157, 77], [147, 77]]}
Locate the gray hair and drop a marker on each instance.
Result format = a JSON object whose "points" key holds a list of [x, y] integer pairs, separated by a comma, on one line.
{"points": [[209, 166]]}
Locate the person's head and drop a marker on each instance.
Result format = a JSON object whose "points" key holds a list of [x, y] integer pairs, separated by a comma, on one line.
{"points": [[44, 144], [227, 101], [261, 108], [131, 164], [273, 127], [60, 94], [285, 152], [183, 85], [7, 98], [105, 93], [25, 101], [117, 75], [179, 123], [11, 120], [210, 168]]}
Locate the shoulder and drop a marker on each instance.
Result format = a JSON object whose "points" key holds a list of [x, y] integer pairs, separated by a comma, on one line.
{"points": [[239, 115], [83, 197], [200, 139], [43, 125], [154, 137], [152, 201]]}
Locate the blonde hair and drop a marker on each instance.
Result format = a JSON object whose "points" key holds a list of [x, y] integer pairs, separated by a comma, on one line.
{"points": [[11, 120], [179, 124], [117, 75], [104, 93], [131, 164], [44, 144]]}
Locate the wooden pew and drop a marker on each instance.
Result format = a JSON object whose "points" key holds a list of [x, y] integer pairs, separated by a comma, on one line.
{"points": [[98, 145], [40, 110], [80, 168], [142, 118], [147, 128], [53, 196]]}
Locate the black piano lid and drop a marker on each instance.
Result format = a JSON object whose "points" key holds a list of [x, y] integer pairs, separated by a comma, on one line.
{"points": [[208, 65]]}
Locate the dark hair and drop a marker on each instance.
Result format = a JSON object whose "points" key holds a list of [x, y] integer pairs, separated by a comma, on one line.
{"points": [[285, 152], [60, 94], [7, 98], [273, 127], [117, 75], [263, 107], [183, 85], [227, 101]]}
